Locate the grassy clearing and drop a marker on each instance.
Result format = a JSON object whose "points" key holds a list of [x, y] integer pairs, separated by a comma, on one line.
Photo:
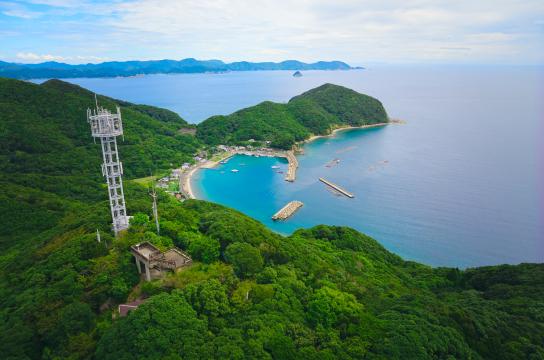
{"points": [[145, 180]]}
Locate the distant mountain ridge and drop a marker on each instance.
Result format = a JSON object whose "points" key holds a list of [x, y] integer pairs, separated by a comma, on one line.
{"points": [[52, 69]]}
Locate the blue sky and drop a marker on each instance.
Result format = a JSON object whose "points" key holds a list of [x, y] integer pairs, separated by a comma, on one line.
{"points": [[357, 31]]}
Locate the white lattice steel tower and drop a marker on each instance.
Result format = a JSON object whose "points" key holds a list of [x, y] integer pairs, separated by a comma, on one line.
{"points": [[107, 127]]}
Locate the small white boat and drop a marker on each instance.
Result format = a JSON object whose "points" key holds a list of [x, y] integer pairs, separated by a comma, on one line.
{"points": [[275, 167], [235, 170]]}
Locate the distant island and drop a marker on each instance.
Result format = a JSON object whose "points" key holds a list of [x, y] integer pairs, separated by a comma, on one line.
{"points": [[54, 69], [297, 74]]}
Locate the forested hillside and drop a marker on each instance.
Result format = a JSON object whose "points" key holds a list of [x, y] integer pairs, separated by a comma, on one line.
{"points": [[49, 163], [322, 293], [316, 112]]}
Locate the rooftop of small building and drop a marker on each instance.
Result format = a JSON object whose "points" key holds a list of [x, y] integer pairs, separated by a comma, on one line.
{"points": [[179, 257], [145, 249], [125, 308]]}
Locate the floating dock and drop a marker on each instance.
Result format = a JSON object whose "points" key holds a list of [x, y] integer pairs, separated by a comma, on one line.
{"points": [[288, 210], [333, 162], [337, 188]]}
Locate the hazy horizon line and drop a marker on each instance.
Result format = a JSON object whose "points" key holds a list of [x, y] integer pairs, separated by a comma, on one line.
{"points": [[356, 64]]}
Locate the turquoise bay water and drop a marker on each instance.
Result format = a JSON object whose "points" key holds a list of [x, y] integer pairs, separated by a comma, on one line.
{"points": [[459, 185]]}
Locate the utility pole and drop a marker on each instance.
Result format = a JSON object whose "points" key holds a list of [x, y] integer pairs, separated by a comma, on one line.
{"points": [[153, 195]]}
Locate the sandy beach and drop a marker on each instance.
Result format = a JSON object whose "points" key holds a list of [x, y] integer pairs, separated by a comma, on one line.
{"points": [[314, 137], [185, 179], [185, 185]]}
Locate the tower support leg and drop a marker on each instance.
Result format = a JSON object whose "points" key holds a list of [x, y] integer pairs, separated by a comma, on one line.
{"points": [[138, 265], [147, 272]]}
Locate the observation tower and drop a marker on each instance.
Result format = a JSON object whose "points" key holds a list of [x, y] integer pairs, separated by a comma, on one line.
{"points": [[107, 126]]}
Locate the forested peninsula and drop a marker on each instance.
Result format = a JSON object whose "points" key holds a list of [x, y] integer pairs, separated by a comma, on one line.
{"points": [[322, 293], [315, 112]]}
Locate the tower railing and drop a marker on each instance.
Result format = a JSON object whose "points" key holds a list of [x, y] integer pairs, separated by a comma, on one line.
{"points": [[104, 123]]}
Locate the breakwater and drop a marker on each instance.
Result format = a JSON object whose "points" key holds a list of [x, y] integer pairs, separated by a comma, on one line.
{"points": [[337, 188], [288, 210]]}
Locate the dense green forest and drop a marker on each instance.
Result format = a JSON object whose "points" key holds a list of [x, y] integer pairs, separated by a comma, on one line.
{"points": [[321, 293], [316, 112]]}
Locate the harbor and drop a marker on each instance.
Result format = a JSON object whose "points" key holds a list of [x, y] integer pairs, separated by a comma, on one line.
{"points": [[288, 210], [337, 188], [201, 163], [225, 152], [292, 162]]}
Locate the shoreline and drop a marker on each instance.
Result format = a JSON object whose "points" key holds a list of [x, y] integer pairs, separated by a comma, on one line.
{"points": [[342, 128], [185, 184], [185, 179]]}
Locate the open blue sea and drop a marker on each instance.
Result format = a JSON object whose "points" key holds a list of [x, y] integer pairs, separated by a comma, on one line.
{"points": [[460, 184]]}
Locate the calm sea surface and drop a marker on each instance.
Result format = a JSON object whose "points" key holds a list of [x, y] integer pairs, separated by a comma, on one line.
{"points": [[461, 184]]}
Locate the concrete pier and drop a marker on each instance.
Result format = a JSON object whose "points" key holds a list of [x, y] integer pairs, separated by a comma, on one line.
{"points": [[287, 210], [337, 188], [291, 167]]}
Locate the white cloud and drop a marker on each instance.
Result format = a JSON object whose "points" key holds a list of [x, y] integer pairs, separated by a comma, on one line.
{"points": [[392, 30], [18, 10], [35, 58], [30, 57], [57, 3], [352, 30], [491, 37]]}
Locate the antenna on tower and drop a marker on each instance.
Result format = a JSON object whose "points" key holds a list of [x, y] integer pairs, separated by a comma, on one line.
{"points": [[107, 126], [153, 195], [97, 235], [95, 101]]}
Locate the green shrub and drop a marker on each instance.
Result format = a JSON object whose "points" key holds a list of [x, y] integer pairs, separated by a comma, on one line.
{"points": [[204, 249], [246, 259]]}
